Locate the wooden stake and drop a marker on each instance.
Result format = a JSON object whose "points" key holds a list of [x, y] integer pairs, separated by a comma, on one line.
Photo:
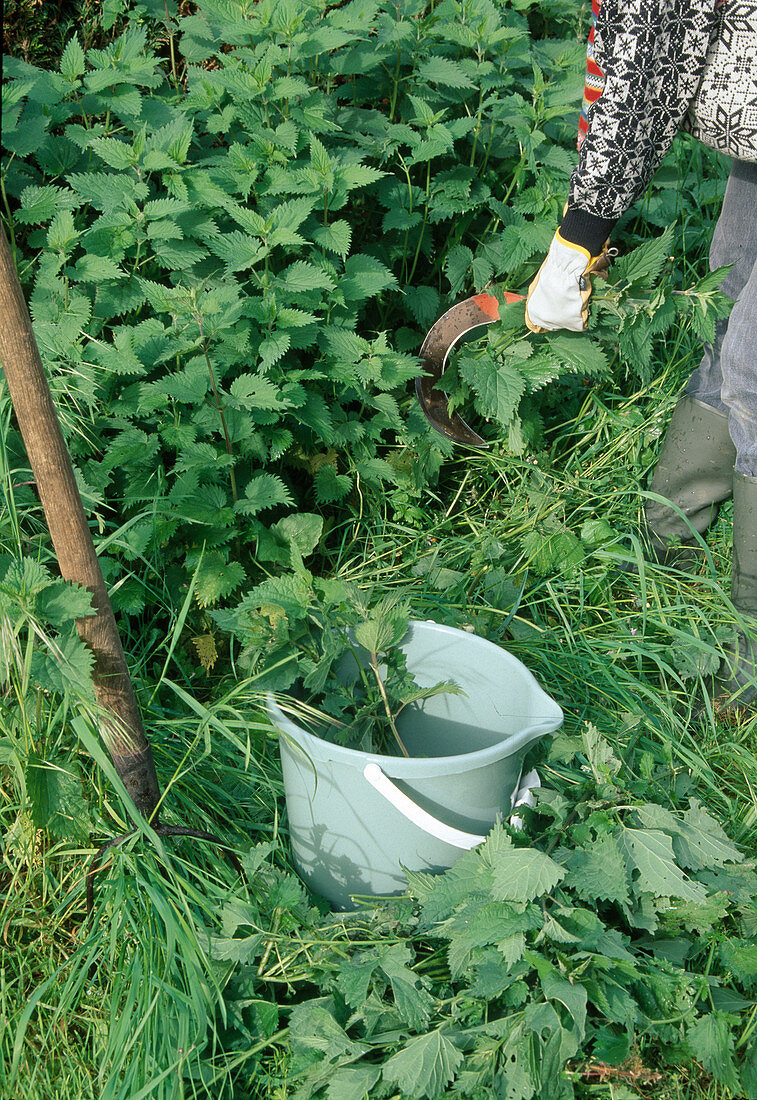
{"points": [[121, 728]]}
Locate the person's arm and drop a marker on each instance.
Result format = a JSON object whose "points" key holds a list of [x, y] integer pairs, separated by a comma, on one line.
{"points": [[650, 55], [644, 64]]}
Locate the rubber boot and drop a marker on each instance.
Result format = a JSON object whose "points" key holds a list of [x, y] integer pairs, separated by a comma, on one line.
{"points": [[736, 683], [694, 472]]}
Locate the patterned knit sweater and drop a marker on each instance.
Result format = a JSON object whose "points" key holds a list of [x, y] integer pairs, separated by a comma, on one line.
{"points": [[644, 63]]}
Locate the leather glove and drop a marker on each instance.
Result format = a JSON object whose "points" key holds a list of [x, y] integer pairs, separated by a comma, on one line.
{"points": [[559, 294]]}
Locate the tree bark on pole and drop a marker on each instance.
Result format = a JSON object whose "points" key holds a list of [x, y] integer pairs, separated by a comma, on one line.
{"points": [[121, 726]]}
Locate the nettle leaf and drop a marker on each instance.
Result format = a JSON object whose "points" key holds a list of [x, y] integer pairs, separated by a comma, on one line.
{"points": [[313, 1027], [376, 471], [29, 133], [645, 263], [399, 218], [331, 486], [335, 237], [359, 175], [457, 266], [108, 191], [441, 70], [61, 603], [163, 208], [700, 917], [344, 345], [116, 300], [553, 551], [40, 204], [699, 841], [539, 370], [354, 976], [599, 870], [238, 251], [516, 245], [385, 627], [578, 353], [163, 299], [512, 949], [413, 1002], [56, 794], [67, 666], [424, 303], [711, 1042], [388, 409], [522, 874], [740, 958], [302, 276], [62, 234], [613, 1048], [476, 925], [571, 994], [217, 578], [236, 949], [520, 1078], [250, 391], [491, 974], [96, 269], [164, 229], [602, 760], [702, 842], [352, 1082], [263, 491], [424, 1066], [288, 317], [72, 63], [481, 272], [24, 579], [498, 386], [289, 216], [173, 139], [651, 854], [438, 142], [740, 882], [272, 349], [117, 154], [365, 277], [597, 532]]}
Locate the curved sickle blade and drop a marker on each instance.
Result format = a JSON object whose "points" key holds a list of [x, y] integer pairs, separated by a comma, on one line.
{"points": [[462, 319]]}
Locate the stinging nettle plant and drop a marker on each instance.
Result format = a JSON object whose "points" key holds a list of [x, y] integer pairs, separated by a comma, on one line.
{"points": [[232, 254], [337, 648]]}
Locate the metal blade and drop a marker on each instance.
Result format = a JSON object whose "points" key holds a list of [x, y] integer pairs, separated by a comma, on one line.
{"points": [[461, 320]]}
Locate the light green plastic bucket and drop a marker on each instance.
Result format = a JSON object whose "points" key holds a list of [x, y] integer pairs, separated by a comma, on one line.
{"points": [[356, 818]]}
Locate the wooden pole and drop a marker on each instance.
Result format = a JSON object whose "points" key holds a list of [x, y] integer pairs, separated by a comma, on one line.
{"points": [[121, 727]]}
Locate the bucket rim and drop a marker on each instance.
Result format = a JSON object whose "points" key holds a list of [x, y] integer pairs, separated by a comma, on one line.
{"points": [[400, 767]]}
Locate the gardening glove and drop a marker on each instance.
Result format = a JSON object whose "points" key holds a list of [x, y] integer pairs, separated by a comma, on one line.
{"points": [[558, 297]]}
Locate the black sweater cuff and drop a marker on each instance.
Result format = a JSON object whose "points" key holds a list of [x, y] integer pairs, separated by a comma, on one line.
{"points": [[586, 230]]}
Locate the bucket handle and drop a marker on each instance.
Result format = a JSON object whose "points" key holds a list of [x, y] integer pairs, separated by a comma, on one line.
{"points": [[446, 833]]}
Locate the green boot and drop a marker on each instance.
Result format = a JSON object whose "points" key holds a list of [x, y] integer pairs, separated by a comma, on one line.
{"points": [[736, 683], [694, 472]]}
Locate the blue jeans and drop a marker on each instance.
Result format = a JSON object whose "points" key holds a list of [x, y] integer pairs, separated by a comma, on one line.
{"points": [[726, 378]]}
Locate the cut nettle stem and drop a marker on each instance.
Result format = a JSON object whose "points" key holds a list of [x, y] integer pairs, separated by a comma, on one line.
{"points": [[387, 708]]}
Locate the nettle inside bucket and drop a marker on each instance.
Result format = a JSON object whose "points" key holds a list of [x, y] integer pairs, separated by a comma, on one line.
{"points": [[356, 819]]}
